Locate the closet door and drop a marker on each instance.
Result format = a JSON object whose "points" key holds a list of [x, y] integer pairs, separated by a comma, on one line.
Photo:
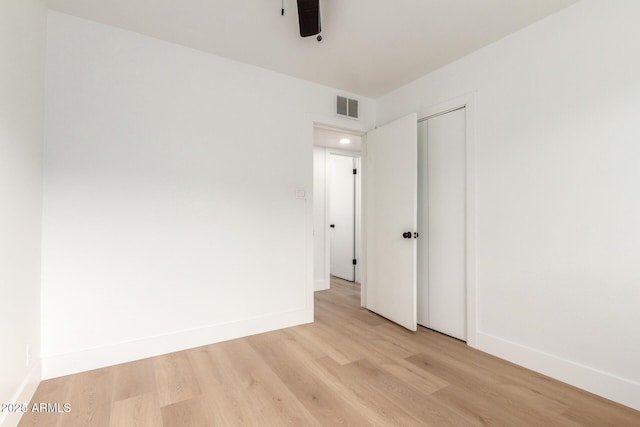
{"points": [[442, 255]]}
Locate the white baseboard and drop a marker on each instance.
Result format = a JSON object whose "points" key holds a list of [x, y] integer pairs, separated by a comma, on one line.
{"points": [[621, 390], [23, 395], [321, 285], [71, 363]]}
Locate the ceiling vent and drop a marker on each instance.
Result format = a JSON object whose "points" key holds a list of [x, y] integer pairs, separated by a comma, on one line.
{"points": [[347, 107]]}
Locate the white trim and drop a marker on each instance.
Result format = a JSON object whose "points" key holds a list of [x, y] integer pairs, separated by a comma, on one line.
{"points": [[321, 285], [602, 383], [358, 213], [468, 102], [309, 239], [94, 358], [327, 233], [23, 395], [363, 223], [339, 129], [340, 124]]}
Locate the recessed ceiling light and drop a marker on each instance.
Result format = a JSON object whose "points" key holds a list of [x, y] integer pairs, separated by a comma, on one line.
{"points": [[345, 141]]}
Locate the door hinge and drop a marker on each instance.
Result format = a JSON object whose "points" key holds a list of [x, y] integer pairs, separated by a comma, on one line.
{"points": [[354, 261], [355, 171]]}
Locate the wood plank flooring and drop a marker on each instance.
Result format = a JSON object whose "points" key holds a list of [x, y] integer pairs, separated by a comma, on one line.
{"points": [[350, 367]]}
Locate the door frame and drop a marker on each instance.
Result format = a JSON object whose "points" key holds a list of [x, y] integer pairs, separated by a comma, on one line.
{"points": [[323, 124], [466, 101]]}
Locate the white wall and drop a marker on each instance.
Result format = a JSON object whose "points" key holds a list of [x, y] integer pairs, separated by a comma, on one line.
{"points": [[22, 44], [558, 203], [170, 216]]}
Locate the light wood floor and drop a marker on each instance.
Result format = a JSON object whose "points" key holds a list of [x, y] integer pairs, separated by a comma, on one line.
{"points": [[350, 367]]}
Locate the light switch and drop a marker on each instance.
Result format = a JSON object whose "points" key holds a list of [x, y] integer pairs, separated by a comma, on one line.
{"points": [[301, 194]]}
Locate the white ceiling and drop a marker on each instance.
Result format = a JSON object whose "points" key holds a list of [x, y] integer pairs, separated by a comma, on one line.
{"points": [[331, 138], [369, 47]]}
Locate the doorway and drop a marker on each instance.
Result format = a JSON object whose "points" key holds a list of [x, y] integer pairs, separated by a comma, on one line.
{"points": [[337, 196]]}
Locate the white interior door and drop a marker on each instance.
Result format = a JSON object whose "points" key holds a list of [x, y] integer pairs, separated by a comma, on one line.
{"points": [[442, 221], [391, 211], [342, 216]]}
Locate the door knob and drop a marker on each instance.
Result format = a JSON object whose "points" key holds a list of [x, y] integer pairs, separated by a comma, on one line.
{"points": [[332, 226], [406, 234]]}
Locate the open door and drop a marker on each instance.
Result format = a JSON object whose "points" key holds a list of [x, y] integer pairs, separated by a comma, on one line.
{"points": [[391, 220]]}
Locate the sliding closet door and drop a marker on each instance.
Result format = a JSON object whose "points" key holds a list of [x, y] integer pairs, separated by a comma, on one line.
{"points": [[442, 221]]}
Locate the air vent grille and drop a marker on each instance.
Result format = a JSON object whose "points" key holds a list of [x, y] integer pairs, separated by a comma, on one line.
{"points": [[347, 107]]}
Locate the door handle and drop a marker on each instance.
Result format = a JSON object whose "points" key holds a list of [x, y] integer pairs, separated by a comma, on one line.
{"points": [[332, 226], [406, 234]]}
